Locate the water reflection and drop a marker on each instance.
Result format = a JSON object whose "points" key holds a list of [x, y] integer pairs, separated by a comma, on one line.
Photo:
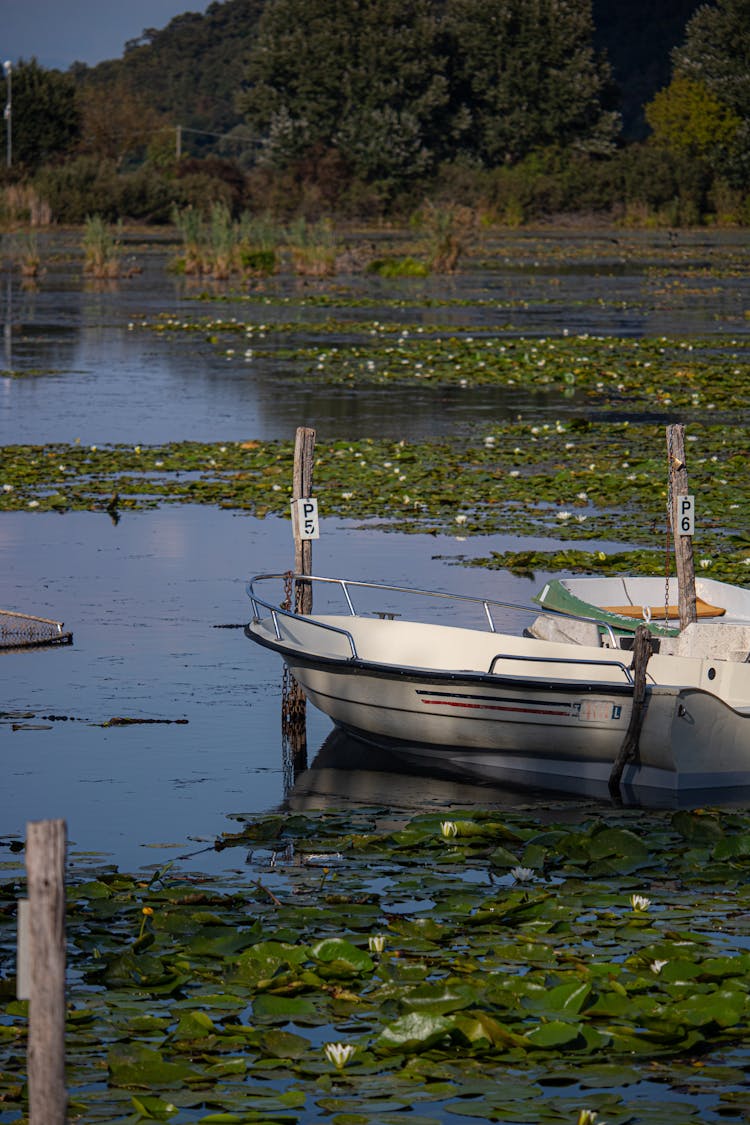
{"points": [[346, 772], [108, 382]]}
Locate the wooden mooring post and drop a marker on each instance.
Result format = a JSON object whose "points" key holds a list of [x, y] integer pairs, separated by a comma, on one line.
{"points": [[629, 749], [293, 705], [44, 960], [304, 458], [681, 519]]}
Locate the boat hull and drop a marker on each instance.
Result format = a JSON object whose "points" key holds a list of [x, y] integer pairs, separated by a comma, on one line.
{"points": [[532, 736], [498, 707]]}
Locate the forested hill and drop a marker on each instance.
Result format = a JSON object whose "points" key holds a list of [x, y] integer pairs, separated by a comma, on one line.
{"points": [[192, 69]]}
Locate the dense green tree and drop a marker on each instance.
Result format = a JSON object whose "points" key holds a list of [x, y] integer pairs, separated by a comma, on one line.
{"points": [[45, 115], [688, 117], [637, 38], [120, 124], [362, 77], [525, 75], [716, 54]]}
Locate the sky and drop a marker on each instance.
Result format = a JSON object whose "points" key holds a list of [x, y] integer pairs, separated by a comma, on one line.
{"points": [[60, 32]]}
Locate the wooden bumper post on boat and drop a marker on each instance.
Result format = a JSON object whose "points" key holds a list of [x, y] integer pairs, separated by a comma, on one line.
{"points": [[629, 749]]}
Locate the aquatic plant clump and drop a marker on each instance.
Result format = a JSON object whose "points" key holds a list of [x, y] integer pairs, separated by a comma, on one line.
{"points": [[102, 247], [526, 969], [614, 373], [570, 481]]}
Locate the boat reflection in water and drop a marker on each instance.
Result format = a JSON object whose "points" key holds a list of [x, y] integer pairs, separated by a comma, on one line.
{"points": [[347, 771]]}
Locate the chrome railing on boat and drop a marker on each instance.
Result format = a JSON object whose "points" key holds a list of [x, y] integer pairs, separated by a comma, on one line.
{"points": [[345, 585], [561, 660]]}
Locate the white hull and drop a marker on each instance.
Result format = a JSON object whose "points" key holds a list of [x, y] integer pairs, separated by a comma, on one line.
{"points": [[494, 706]]}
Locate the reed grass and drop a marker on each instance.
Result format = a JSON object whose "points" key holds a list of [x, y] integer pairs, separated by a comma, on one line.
{"points": [[26, 253], [102, 248], [312, 247], [221, 247], [21, 203], [448, 231]]}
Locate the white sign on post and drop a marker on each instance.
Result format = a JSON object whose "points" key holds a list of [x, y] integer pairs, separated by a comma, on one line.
{"points": [[305, 518], [685, 507]]}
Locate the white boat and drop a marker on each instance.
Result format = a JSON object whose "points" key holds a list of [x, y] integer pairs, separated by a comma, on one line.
{"points": [[626, 602], [482, 703]]}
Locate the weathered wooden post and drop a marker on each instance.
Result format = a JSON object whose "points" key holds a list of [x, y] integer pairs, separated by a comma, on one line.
{"points": [[45, 870], [629, 749], [304, 457], [681, 517], [293, 707]]}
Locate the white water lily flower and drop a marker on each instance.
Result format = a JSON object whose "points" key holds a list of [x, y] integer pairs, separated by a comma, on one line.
{"points": [[460, 519], [514, 473], [589, 1117], [640, 902], [33, 503], [339, 1053], [7, 488], [449, 828], [657, 966], [376, 943], [705, 564], [564, 515], [522, 874]]}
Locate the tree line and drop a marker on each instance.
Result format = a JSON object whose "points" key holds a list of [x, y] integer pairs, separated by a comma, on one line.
{"points": [[366, 107]]}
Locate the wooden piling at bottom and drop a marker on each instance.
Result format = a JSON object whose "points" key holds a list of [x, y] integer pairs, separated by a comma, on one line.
{"points": [[45, 869]]}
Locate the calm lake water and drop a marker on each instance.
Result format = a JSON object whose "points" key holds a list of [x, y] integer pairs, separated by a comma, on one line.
{"points": [[144, 598]]}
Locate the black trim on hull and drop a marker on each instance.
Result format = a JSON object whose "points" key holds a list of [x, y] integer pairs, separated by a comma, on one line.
{"points": [[355, 667]]}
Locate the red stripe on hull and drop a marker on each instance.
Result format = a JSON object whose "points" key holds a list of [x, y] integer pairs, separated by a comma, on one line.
{"points": [[496, 707]]}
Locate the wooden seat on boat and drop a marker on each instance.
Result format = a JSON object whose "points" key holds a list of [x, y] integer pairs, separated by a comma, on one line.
{"points": [[656, 612]]}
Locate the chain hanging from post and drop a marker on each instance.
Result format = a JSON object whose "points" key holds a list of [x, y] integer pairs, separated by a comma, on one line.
{"points": [[292, 697]]}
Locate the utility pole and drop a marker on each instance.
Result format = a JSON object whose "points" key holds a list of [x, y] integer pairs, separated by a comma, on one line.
{"points": [[8, 68]]}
